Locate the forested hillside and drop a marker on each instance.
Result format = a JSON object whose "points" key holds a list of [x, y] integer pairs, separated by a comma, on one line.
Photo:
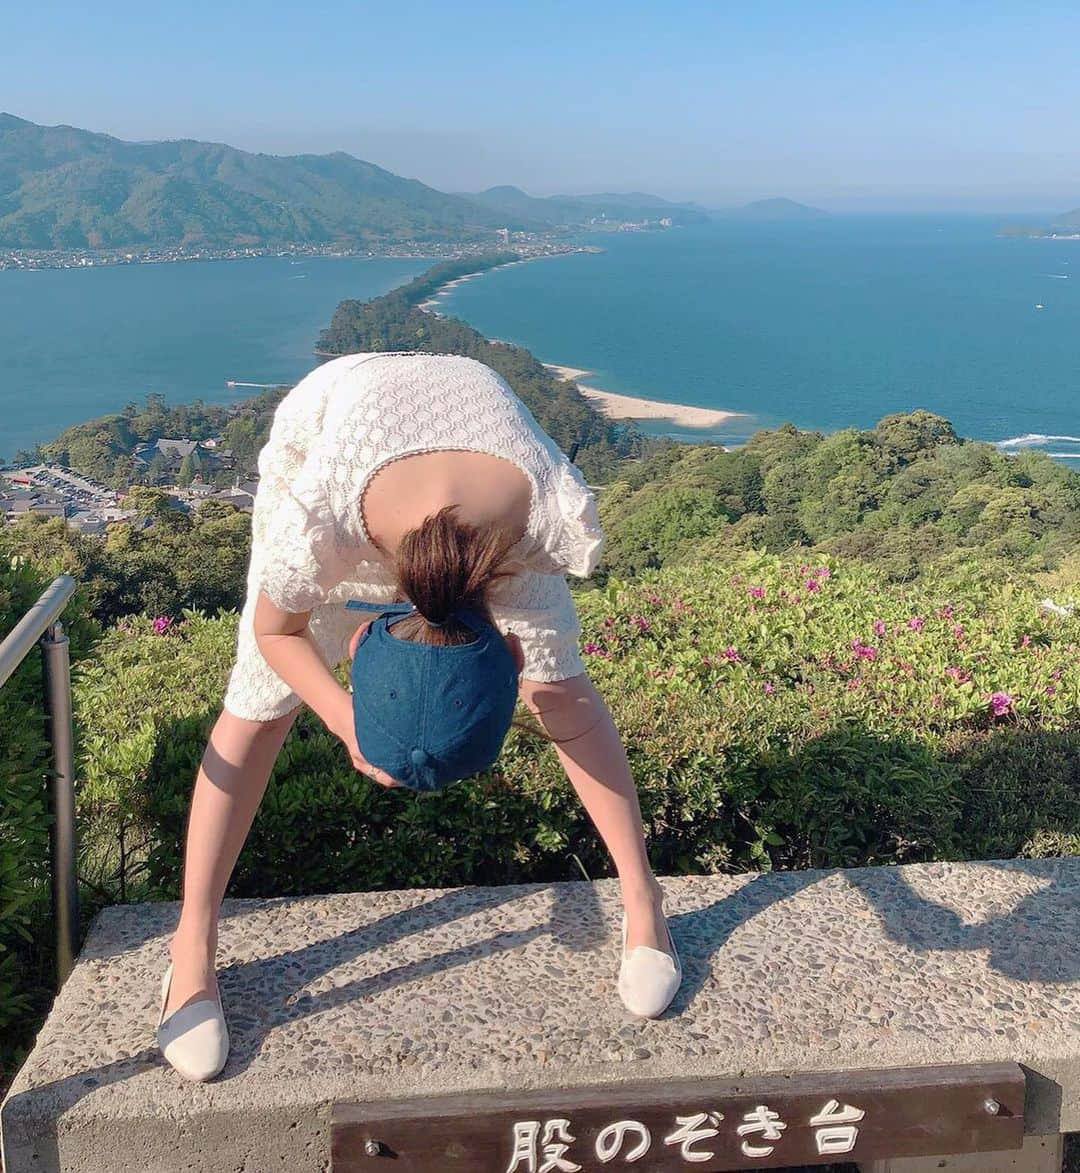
{"points": [[63, 188], [585, 210], [903, 495], [102, 448]]}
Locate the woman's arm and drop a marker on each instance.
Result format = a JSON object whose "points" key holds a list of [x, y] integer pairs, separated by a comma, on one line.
{"points": [[285, 643]]}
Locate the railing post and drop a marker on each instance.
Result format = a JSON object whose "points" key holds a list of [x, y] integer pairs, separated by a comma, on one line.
{"points": [[65, 895]]}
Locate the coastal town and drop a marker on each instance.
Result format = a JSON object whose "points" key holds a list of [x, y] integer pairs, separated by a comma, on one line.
{"points": [[186, 471]]}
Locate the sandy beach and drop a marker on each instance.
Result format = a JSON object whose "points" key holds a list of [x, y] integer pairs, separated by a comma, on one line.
{"points": [[433, 300], [618, 407], [612, 404], [430, 304]]}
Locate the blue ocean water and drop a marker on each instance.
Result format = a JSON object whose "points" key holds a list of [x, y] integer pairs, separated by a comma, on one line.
{"points": [[826, 323], [78, 343]]}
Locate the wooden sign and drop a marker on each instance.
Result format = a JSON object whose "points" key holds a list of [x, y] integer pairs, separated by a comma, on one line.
{"points": [[673, 1126]]}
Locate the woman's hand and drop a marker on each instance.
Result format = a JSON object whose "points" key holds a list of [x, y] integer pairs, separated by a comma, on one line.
{"points": [[342, 727]]}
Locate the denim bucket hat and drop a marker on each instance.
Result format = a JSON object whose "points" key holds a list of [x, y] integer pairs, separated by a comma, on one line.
{"points": [[431, 714]]}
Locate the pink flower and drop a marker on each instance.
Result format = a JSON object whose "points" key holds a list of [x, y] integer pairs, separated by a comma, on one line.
{"points": [[162, 624], [768, 689], [823, 572], [591, 649], [863, 651], [1050, 690], [653, 599], [758, 592], [640, 622], [958, 630], [812, 584], [958, 674], [854, 683], [731, 654], [879, 627], [1025, 641], [915, 623], [945, 612], [1000, 703]]}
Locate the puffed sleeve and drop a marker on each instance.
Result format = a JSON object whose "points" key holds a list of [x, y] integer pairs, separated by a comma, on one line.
{"points": [[578, 538], [540, 610], [295, 552]]}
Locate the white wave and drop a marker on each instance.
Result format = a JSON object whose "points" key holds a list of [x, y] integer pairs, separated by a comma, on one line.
{"points": [[1033, 438], [1057, 276]]}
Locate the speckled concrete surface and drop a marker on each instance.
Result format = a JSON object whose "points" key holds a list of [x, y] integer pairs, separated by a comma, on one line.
{"points": [[390, 994]]}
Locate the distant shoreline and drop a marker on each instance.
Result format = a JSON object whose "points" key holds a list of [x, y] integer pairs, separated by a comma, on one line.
{"points": [[38, 260]]}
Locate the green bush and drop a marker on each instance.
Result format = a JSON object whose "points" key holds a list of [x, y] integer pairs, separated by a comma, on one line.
{"points": [[147, 680], [774, 715]]}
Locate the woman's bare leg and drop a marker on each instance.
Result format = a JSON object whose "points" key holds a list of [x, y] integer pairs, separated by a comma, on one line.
{"points": [[595, 763], [229, 786]]}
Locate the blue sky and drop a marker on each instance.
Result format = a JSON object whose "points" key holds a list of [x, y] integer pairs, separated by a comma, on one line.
{"points": [[862, 106]]}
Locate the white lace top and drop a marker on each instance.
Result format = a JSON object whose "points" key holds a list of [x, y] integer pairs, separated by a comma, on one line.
{"points": [[349, 417]]}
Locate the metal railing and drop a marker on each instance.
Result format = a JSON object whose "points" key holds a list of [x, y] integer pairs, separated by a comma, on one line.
{"points": [[42, 623]]}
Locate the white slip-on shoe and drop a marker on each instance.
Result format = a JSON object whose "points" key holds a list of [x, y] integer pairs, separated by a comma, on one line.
{"points": [[194, 1039], [648, 978]]}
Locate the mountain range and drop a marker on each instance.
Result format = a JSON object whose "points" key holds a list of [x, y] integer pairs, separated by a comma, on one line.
{"points": [[585, 210], [66, 188], [61, 187], [774, 209]]}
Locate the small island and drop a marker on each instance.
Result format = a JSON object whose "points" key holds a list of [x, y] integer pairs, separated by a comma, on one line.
{"points": [[771, 209]]}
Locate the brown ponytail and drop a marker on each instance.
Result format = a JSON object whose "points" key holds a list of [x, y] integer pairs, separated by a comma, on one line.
{"points": [[442, 563]]}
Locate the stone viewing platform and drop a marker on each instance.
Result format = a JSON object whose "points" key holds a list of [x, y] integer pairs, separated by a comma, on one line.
{"points": [[499, 1006]]}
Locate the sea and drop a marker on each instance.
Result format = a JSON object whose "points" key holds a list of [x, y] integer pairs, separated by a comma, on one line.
{"points": [[79, 343], [824, 323]]}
